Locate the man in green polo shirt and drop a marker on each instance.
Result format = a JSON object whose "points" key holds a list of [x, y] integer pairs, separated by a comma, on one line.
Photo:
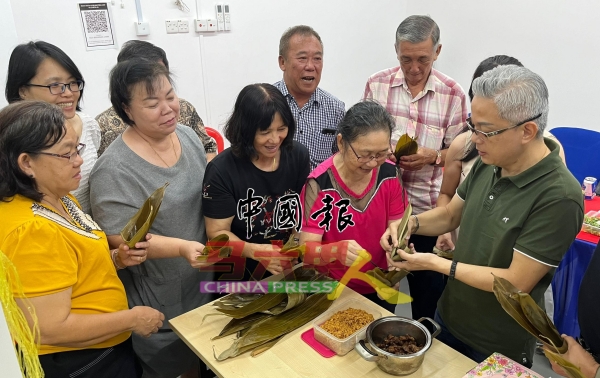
{"points": [[519, 210]]}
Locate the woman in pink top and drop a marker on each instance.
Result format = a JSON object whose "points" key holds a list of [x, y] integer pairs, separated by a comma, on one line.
{"points": [[350, 198]]}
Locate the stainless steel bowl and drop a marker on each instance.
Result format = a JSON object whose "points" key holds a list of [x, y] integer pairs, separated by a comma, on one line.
{"points": [[397, 326]]}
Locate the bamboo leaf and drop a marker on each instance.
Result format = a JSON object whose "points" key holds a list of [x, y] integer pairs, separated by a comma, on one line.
{"points": [[571, 370], [521, 307], [293, 300], [503, 290], [538, 318], [217, 246], [449, 255], [263, 303], [390, 278], [138, 226], [288, 321], [402, 231], [236, 325]]}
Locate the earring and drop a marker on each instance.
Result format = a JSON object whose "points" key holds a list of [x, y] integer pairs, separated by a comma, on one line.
{"points": [[30, 176]]}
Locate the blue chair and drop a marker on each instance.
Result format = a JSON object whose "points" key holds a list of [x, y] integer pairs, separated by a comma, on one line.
{"points": [[582, 151]]}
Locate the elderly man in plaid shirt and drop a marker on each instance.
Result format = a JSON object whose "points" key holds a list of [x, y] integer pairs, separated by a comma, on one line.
{"points": [[317, 113], [430, 106]]}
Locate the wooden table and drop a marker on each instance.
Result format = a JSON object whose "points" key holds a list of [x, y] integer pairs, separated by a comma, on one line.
{"points": [[292, 357]]}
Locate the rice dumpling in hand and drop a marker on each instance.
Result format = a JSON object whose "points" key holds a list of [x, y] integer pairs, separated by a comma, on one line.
{"points": [[405, 146]]}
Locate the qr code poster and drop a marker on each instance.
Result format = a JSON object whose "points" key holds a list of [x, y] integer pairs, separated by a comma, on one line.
{"points": [[98, 27]]}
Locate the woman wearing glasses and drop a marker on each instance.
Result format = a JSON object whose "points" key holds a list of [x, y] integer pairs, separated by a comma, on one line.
{"points": [[42, 71], [462, 152], [351, 197], [61, 255], [251, 190]]}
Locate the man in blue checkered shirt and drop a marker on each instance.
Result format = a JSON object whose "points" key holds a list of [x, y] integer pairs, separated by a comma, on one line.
{"points": [[317, 113]]}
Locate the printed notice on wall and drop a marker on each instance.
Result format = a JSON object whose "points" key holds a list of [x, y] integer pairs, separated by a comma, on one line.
{"points": [[98, 26]]}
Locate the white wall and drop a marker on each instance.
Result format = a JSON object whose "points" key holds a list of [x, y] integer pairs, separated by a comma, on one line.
{"points": [[358, 41], [556, 39], [8, 39], [8, 357]]}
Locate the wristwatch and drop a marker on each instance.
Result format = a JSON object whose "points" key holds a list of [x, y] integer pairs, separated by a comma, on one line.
{"points": [[438, 159]]}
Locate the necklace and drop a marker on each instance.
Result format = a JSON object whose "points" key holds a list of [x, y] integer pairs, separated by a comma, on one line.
{"points": [[274, 161], [57, 209], [157, 154]]}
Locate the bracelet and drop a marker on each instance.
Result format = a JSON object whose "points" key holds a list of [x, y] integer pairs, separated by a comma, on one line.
{"points": [[416, 223], [114, 259], [452, 270]]}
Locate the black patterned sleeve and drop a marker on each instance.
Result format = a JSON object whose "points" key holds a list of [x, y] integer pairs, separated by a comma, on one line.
{"points": [[189, 117]]}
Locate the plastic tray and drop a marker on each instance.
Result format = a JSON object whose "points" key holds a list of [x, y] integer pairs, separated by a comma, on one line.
{"points": [[343, 346], [589, 228]]}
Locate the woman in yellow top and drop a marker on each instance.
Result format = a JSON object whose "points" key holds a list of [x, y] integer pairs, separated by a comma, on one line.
{"points": [[61, 255]]}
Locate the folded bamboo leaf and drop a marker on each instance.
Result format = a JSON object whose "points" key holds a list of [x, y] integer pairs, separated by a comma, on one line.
{"points": [[449, 255], [523, 310], [237, 299], [293, 300], [265, 347], [538, 318], [402, 231], [263, 303], [236, 325], [138, 226], [390, 278], [291, 243], [217, 246], [571, 370], [379, 274], [503, 290], [406, 146]]}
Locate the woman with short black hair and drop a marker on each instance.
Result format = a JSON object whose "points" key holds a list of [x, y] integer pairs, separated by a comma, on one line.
{"points": [[249, 187], [153, 150]]}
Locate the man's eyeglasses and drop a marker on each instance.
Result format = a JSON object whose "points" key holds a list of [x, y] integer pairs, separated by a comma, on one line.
{"points": [[59, 88], [492, 133], [366, 159], [71, 157]]}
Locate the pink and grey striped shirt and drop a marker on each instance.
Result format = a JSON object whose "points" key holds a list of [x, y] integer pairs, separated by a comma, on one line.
{"points": [[435, 116]]}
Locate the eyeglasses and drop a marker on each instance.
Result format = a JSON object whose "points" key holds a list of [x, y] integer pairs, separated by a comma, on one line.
{"points": [[367, 159], [471, 127], [59, 88], [71, 157]]}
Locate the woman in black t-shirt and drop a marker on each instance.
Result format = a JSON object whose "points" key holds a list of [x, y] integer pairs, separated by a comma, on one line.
{"points": [[251, 190]]}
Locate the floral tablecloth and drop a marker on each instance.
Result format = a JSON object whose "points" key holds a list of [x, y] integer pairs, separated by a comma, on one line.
{"points": [[499, 366]]}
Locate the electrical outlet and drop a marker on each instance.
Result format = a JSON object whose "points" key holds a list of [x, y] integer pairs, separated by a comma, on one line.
{"points": [[142, 28], [183, 25], [172, 26], [201, 25], [212, 25]]}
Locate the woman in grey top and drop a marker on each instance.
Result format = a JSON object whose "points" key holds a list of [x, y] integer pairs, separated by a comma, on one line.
{"points": [[153, 150]]}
